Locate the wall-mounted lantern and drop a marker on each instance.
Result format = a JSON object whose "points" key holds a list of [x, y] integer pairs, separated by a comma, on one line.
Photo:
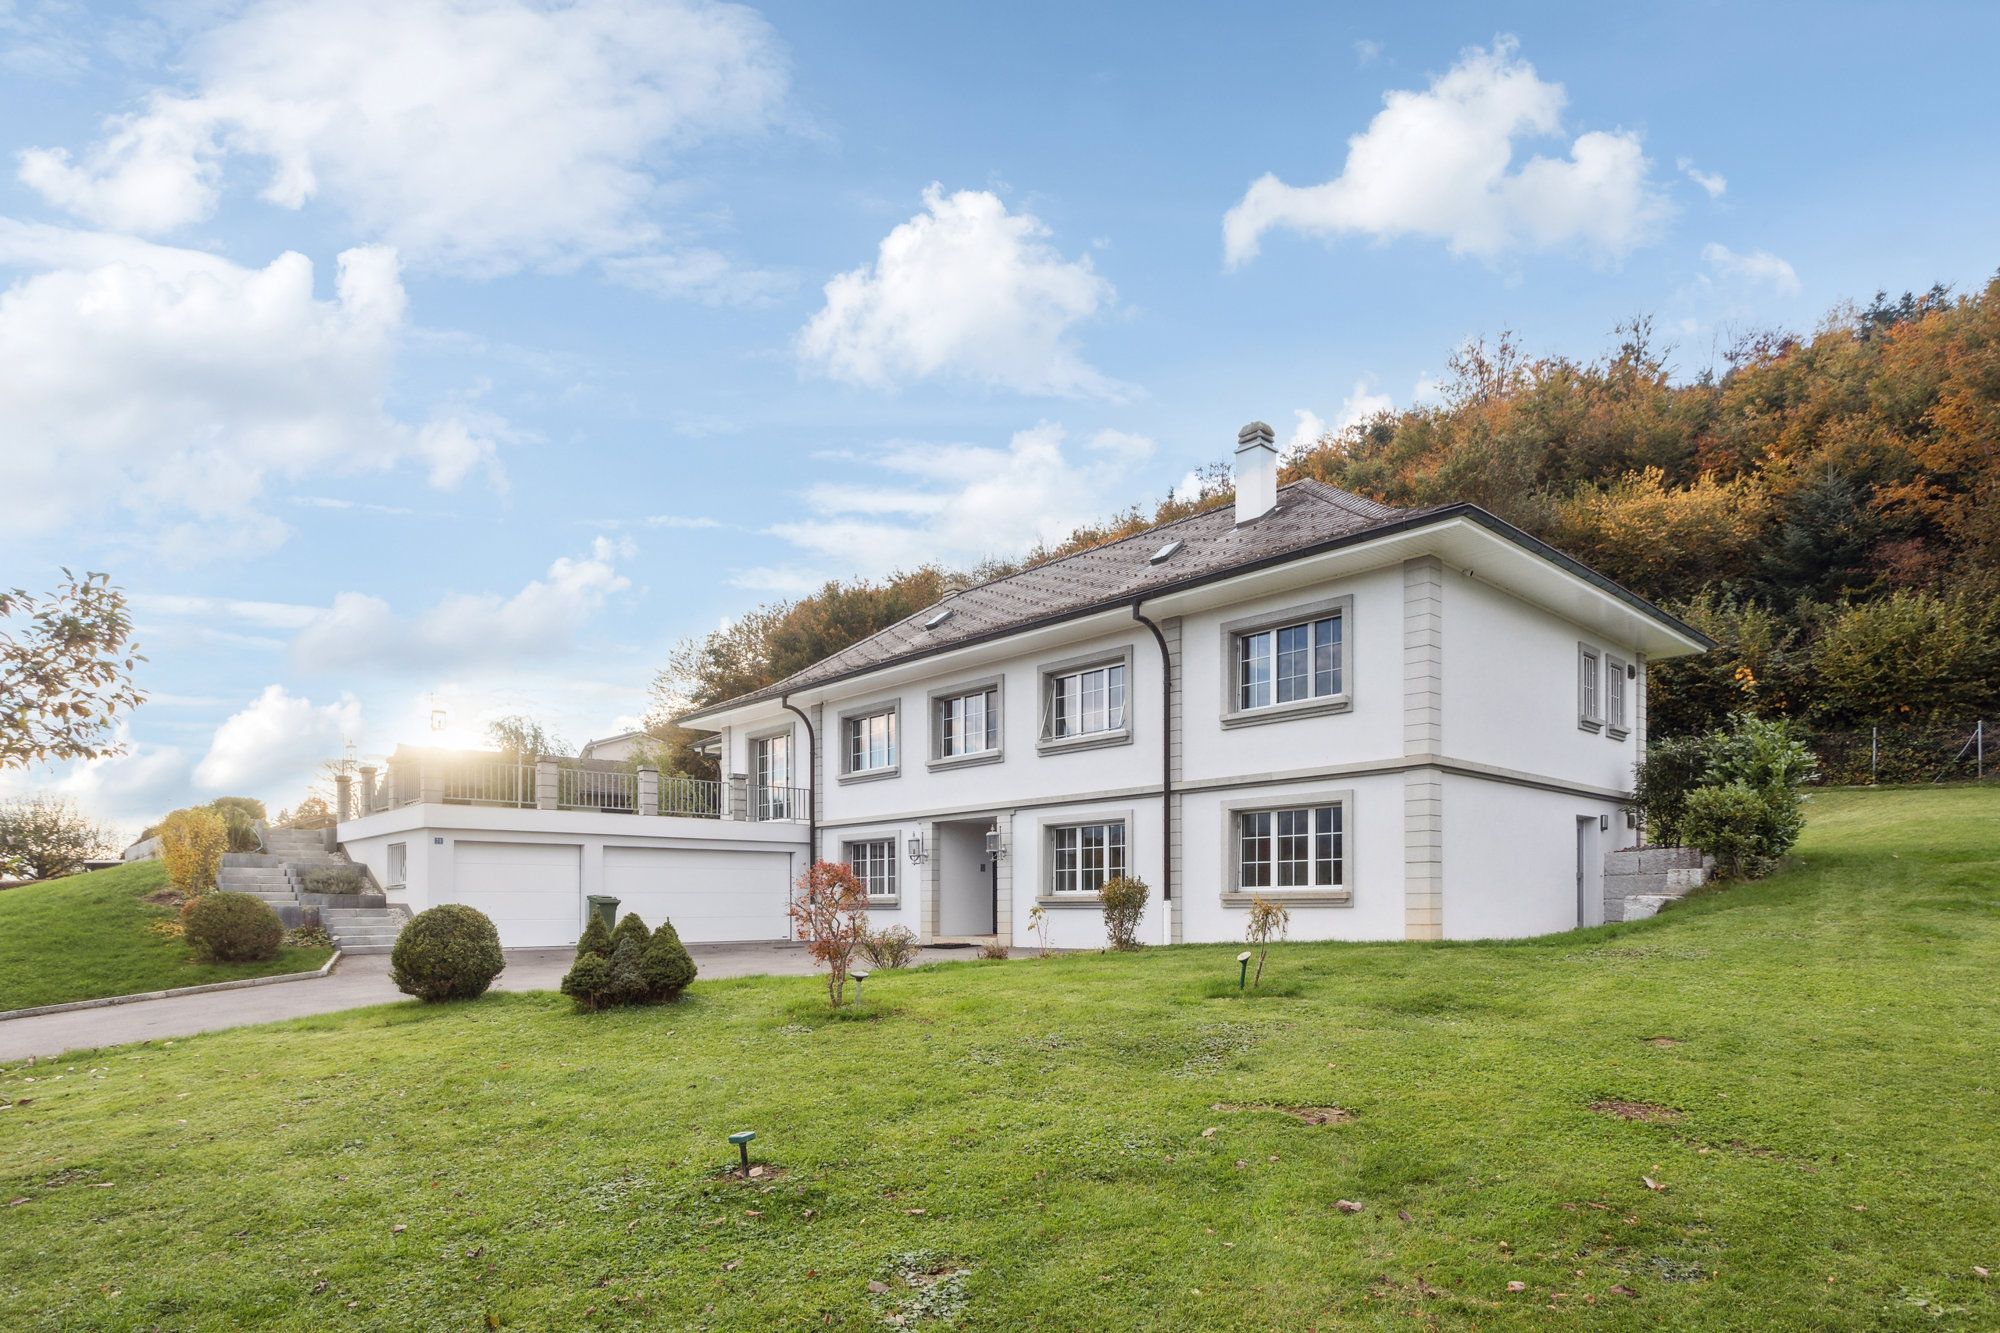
{"points": [[915, 847], [996, 845]]}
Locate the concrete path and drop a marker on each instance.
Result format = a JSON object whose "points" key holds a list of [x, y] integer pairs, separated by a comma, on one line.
{"points": [[357, 982]]}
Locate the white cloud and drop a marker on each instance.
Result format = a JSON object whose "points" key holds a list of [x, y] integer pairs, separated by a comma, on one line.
{"points": [[1758, 268], [1367, 51], [964, 290], [128, 790], [173, 383], [1440, 163], [539, 622], [268, 615], [958, 504], [1712, 181], [1307, 431], [478, 135], [276, 743], [1363, 404]]}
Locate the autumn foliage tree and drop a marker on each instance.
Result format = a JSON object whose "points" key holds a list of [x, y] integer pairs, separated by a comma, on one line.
{"points": [[191, 845], [66, 663], [830, 913]]}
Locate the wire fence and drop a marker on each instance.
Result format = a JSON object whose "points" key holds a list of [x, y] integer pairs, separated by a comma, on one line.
{"points": [[1909, 752]]}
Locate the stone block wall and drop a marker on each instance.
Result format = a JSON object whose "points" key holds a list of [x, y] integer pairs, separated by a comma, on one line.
{"points": [[1639, 881]]}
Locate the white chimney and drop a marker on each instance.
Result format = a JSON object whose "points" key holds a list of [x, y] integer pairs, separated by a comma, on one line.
{"points": [[1256, 472]]}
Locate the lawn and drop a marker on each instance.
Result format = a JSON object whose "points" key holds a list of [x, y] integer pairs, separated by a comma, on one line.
{"points": [[1044, 1143], [86, 936]]}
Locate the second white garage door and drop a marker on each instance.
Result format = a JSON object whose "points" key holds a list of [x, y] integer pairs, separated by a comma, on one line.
{"points": [[532, 890], [711, 896]]}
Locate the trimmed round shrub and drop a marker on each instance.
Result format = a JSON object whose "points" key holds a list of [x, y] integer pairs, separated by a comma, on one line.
{"points": [[588, 980], [666, 965], [451, 952], [596, 938], [233, 928], [626, 984], [892, 946]]}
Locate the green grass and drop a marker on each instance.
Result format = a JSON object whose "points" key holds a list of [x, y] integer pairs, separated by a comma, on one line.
{"points": [[1039, 1128], [85, 937]]}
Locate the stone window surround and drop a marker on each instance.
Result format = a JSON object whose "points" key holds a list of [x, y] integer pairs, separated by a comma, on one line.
{"points": [[1234, 895], [1592, 719], [1046, 855], [935, 743], [893, 705], [1318, 706], [1045, 674], [894, 837], [1617, 728]]}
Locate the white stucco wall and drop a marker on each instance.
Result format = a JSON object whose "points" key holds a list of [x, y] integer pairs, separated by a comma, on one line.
{"points": [[1510, 857]]}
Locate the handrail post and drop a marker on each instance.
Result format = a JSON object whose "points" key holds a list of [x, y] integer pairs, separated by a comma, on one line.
{"points": [[736, 797], [430, 782], [545, 784], [369, 796], [649, 791]]}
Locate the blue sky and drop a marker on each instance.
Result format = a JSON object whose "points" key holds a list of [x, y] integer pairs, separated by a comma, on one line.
{"points": [[470, 354]]}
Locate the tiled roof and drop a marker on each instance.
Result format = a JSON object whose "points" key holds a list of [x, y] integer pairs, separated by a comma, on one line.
{"points": [[1308, 514]]}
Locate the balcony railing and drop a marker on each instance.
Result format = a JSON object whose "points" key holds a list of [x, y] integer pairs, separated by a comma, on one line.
{"points": [[698, 798], [596, 789], [488, 784], [780, 803], [555, 785]]}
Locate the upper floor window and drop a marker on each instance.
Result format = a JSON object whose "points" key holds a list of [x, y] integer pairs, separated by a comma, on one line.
{"points": [[870, 741], [1614, 697], [873, 861], [968, 724], [771, 775], [1589, 687], [1290, 663], [1083, 856], [1088, 702]]}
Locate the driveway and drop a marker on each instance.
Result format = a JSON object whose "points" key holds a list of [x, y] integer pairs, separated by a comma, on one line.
{"points": [[355, 983]]}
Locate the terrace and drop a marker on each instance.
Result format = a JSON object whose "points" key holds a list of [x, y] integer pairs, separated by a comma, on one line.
{"points": [[476, 778]]}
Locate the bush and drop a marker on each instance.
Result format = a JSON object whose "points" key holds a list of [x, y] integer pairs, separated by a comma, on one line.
{"points": [[596, 938], [666, 965], [240, 815], [1669, 772], [338, 879], [995, 950], [46, 838], [892, 946], [588, 980], [1269, 920], [191, 846], [830, 913], [633, 929], [1124, 901], [1728, 822], [451, 952], [625, 982], [233, 928]]}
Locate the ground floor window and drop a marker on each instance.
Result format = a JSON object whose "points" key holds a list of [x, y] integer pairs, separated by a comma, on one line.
{"points": [[1301, 847], [873, 862], [1083, 856]]}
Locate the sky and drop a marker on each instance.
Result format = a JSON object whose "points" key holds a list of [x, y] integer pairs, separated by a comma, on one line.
{"points": [[403, 357]]}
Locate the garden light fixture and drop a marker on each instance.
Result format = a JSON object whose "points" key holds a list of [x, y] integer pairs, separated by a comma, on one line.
{"points": [[1242, 969], [859, 977], [741, 1138]]}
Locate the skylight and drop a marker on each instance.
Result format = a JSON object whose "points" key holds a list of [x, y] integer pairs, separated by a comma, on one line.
{"points": [[1164, 553], [938, 617]]}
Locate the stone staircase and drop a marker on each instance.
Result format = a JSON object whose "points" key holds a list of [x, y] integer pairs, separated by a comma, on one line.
{"points": [[275, 875]]}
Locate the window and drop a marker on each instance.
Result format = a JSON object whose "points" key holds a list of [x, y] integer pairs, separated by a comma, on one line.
{"points": [[1087, 703], [771, 775], [968, 724], [1589, 698], [1296, 848], [399, 864], [871, 741], [1614, 697], [1083, 856], [1290, 663], [874, 863]]}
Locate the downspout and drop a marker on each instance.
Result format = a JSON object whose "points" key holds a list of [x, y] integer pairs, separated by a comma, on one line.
{"points": [[1166, 755], [812, 770]]}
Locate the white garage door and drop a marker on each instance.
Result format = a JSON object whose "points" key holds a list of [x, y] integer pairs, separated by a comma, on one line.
{"points": [[709, 895], [532, 890]]}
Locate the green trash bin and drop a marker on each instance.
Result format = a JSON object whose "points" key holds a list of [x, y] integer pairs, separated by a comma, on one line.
{"points": [[606, 909]]}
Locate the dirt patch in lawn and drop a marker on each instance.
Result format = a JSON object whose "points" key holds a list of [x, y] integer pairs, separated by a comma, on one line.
{"points": [[1309, 1115], [760, 1174], [164, 898], [1662, 1042], [1645, 1111]]}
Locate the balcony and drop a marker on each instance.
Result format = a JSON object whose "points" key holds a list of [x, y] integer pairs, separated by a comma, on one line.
{"points": [[455, 778]]}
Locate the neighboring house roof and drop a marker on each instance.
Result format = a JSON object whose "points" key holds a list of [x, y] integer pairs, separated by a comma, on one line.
{"points": [[1310, 516], [603, 741]]}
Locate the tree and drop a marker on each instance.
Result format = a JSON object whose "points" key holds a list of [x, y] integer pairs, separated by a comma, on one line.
{"points": [[1269, 920], [831, 915], [524, 739], [66, 663], [314, 812], [43, 838], [191, 844]]}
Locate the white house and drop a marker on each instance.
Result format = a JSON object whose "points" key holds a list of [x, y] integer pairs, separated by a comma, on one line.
{"points": [[1405, 724]]}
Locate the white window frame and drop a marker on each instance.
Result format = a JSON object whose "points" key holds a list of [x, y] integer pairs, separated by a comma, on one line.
{"points": [[1314, 893], [1050, 832], [1236, 633], [1052, 674], [887, 849], [1617, 698], [1589, 687], [861, 714], [944, 696], [397, 867], [763, 805]]}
